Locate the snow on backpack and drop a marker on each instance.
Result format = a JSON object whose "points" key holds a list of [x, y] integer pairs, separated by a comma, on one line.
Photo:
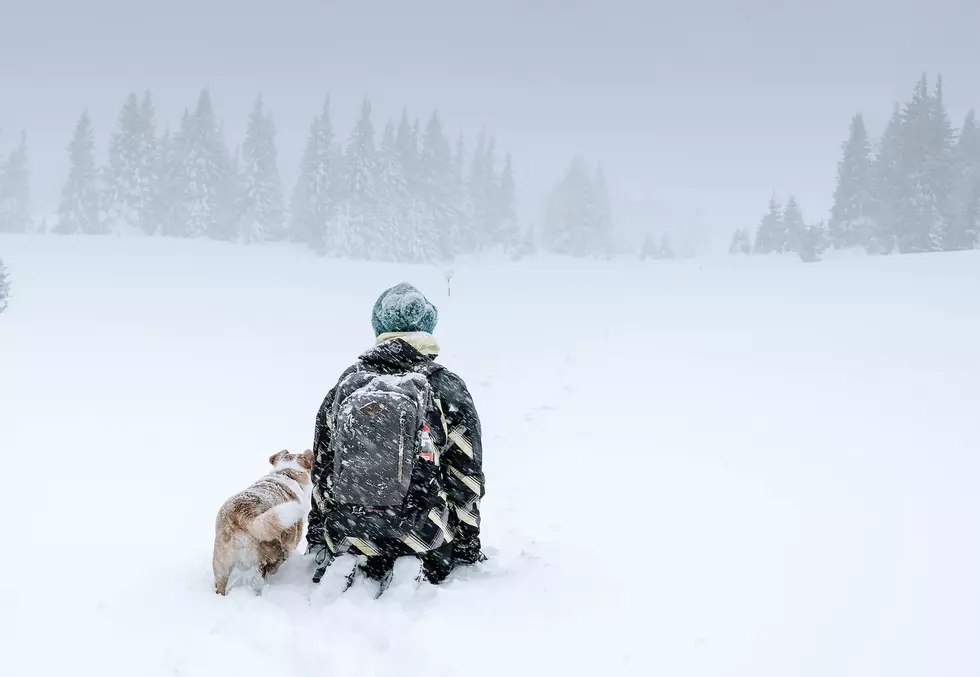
{"points": [[378, 434]]}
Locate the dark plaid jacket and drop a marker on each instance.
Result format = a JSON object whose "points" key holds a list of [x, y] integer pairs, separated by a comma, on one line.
{"points": [[457, 436]]}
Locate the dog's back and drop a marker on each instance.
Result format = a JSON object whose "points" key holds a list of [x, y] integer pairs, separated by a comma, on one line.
{"points": [[257, 529]]}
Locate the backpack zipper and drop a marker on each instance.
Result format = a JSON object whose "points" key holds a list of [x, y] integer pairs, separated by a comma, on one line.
{"points": [[401, 447]]}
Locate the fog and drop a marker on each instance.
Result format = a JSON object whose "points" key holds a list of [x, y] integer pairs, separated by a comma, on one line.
{"points": [[691, 107]]}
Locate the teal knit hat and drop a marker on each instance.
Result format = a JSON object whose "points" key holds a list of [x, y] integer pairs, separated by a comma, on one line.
{"points": [[403, 308]]}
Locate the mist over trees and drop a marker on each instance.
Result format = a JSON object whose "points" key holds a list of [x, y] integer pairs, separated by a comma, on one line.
{"points": [[386, 191], [916, 189]]}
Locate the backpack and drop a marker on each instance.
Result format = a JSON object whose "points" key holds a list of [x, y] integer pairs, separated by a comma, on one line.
{"points": [[380, 438]]}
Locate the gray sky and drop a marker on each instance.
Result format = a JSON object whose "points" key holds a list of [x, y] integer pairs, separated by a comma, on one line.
{"points": [[723, 100]]}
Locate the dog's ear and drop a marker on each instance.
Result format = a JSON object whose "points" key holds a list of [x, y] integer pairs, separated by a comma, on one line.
{"points": [[276, 457], [306, 459]]}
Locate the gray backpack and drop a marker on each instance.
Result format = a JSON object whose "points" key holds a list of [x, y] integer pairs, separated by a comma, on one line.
{"points": [[378, 422]]}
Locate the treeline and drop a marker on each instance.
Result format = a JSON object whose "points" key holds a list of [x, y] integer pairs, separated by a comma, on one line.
{"points": [[411, 196], [915, 189]]}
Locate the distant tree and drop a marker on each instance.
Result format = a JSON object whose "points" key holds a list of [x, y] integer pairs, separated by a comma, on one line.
{"points": [[923, 213], [393, 200], [741, 242], [78, 211], [129, 177], [815, 242], [355, 219], [666, 250], [4, 287], [793, 226], [510, 231], [15, 191], [888, 184], [770, 235], [964, 227], [650, 248], [439, 241], [577, 221], [854, 205], [261, 212], [313, 200], [201, 177]]}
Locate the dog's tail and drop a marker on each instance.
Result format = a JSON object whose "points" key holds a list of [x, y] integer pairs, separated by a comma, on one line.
{"points": [[269, 525]]}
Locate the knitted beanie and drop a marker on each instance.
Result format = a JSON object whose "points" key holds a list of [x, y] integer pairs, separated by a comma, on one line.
{"points": [[403, 308]]}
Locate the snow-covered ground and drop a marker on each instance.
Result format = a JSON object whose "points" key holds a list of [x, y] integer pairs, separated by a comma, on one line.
{"points": [[736, 467]]}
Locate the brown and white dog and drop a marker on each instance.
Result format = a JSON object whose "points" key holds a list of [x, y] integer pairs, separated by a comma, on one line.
{"points": [[259, 528]]}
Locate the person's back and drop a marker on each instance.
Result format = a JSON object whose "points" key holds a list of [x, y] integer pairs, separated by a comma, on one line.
{"points": [[398, 467]]}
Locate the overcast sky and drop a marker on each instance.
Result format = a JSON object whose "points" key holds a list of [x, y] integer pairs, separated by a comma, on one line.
{"points": [[722, 101]]}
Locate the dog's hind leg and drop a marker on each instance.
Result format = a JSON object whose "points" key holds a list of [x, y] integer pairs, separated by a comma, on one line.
{"points": [[221, 565]]}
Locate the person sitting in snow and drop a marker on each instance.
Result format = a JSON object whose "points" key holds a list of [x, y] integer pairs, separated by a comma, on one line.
{"points": [[398, 466]]}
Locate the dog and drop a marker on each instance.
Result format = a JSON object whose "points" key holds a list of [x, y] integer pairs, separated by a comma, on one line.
{"points": [[259, 528]]}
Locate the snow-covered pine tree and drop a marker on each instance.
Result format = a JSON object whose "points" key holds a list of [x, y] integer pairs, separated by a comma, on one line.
{"points": [[128, 177], [965, 228], [356, 221], [4, 287], [814, 243], [601, 216], [666, 249], [163, 188], [888, 185], [569, 219], [735, 246], [854, 206], [770, 236], [78, 211], [745, 241], [465, 235], [313, 197], [510, 230], [793, 227], [393, 197], [201, 177], [925, 161], [416, 219], [650, 248], [478, 196], [15, 191], [261, 211], [436, 171]]}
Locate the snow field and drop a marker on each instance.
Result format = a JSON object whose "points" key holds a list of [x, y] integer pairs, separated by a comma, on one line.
{"points": [[740, 466]]}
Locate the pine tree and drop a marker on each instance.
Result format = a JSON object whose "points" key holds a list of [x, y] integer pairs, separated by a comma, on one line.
{"points": [[854, 206], [922, 213], [4, 287], [650, 248], [888, 185], [436, 171], [163, 189], [666, 250], [570, 225], [356, 217], [314, 195], [261, 211], [770, 236], [601, 216], [465, 234], [393, 200], [78, 211], [965, 224], [510, 231], [745, 241], [815, 240], [129, 175], [201, 177], [15, 191], [793, 227], [741, 242]]}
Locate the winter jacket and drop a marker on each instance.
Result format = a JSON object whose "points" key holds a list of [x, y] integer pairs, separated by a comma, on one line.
{"points": [[456, 433]]}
